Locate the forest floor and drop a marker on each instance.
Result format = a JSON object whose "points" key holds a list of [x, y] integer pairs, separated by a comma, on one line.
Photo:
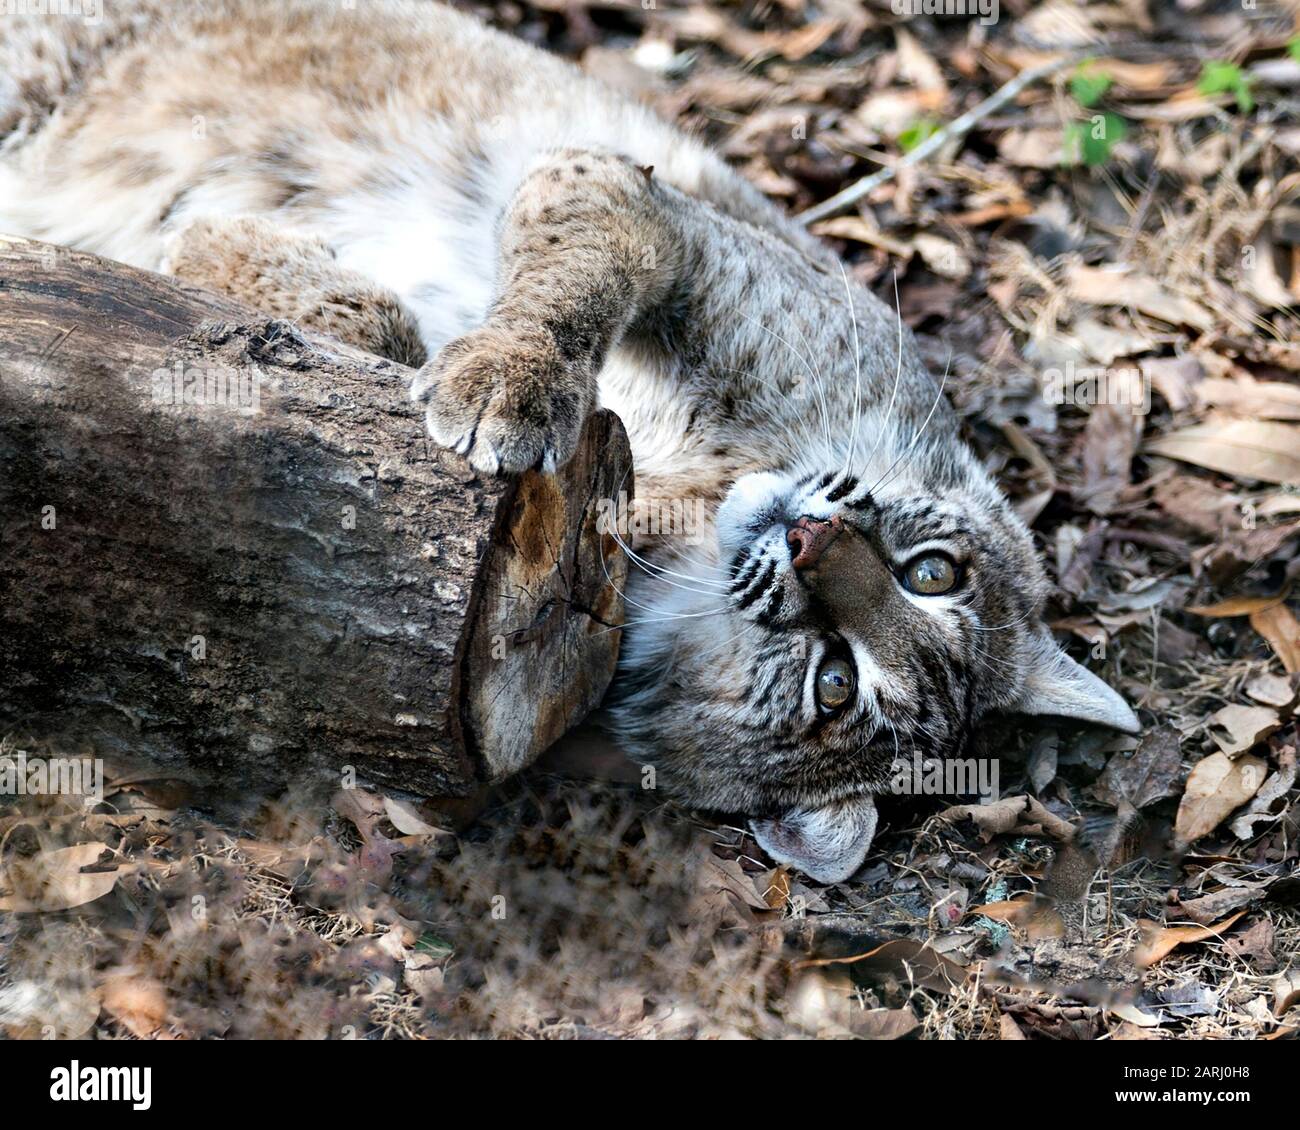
{"points": [[1107, 266]]}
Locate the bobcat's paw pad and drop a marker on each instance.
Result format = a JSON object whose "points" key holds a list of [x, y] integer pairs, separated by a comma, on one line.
{"points": [[506, 401]]}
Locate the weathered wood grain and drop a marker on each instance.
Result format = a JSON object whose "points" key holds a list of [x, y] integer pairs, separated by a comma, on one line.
{"points": [[287, 581]]}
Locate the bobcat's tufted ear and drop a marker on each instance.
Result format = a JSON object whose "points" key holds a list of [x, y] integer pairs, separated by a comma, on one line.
{"points": [[1056, 684], [827, 844]]}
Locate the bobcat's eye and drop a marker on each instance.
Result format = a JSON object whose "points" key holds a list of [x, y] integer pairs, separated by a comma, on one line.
{"points": [[931, 575], [834, 683]]}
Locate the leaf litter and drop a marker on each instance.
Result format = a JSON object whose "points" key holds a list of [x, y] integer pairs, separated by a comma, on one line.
{"points": [[1118, 316]]}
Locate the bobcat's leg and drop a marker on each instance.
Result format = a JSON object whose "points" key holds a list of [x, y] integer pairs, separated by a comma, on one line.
{"points": [[585, 250], [295, 278]]}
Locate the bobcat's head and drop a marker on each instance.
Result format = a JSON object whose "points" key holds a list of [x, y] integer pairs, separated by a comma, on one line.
{"points": [[850, 614]]}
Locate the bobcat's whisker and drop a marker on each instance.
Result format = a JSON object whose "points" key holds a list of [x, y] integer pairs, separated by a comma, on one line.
{"points": [[746, 626], [666, 578], [898, 374], [659, 620], [819, 387], [806, 364], [893, 730], [681, 556], [657, 573], [822, 412], [1004, 627], [661, 612], [924, 425], [857, 376], [652, 569], [1001, 664]]}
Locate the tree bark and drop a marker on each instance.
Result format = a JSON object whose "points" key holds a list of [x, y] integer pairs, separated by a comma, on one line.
{"points": [[232, 551]]}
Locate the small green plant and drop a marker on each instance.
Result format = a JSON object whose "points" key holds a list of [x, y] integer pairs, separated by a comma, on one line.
{"points": [[1293, 48], [917, 133], [434, 946], [1091, 142], [1088, 84], [1221, 77]]}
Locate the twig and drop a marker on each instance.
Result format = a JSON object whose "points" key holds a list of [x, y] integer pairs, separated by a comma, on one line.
{"points": [[958, 127]]}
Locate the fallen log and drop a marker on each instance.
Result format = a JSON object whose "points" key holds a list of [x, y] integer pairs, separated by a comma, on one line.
{"points": [[230, 550]]}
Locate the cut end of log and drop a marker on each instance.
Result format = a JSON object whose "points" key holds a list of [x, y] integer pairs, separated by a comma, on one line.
{"points": [[547, 627]]}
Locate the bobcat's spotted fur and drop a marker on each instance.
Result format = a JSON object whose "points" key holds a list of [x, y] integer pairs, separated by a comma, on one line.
{"points": [[398, 175]]}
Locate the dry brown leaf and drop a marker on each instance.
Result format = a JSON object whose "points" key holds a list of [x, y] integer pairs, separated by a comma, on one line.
{"points": [[1197, 504], [1159, 941], [1271, 796], [1145, 77], [775, 886], [1036, 916], [1105, 344], [136, 1002], [890, 112], [1126, 286], [913, 961], [1278, 625], [1237, 728], [54, 880], [1236, 551], [406, 820], [1272, 690], [1174, 378], [1286, 991], [803, 41], [728, 875], [1023, 815], [285, 860], [1110, 441], [1275, 504], [1054, 1021], [1245, 396], [1145, 775], [1208, 909], [1236, 605], [423, 975], [1216, 786], [1060, 23], [1254, 944], [915, 66], [1263, 283], [883, 1023], [942, 256], [1039, 148], [858, 230], [991, 213], [1191, 163], [1135, 1017], [1247, 449], [1008, 1029], [1185, 106]]}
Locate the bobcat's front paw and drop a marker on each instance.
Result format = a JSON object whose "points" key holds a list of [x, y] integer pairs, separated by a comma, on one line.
{"points": [[505, 399]]}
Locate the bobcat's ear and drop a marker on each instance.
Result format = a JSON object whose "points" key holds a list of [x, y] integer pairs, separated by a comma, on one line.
{"points": [[1056, 684], [827, 844]]}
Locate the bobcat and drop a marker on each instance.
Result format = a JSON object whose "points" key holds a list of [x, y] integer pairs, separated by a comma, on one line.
{"points": [[400, 176]]}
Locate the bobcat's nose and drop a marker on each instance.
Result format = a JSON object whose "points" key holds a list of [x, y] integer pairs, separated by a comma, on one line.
{"points": [[809, 537]]}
